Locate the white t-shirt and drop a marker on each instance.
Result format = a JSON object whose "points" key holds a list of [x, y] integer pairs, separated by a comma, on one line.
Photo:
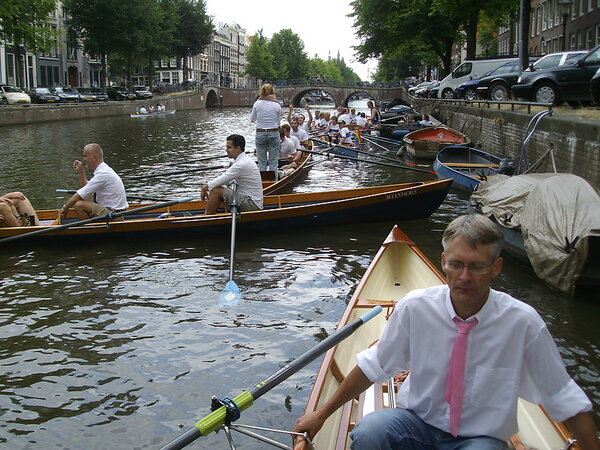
{"points": [[266, 114], [346, 136], [108, 188], [362, 121], [510, 354], [287, 148], [300, 134], [304, 127], [346, 118], [247, 176], [143, 110], [296, 142]]}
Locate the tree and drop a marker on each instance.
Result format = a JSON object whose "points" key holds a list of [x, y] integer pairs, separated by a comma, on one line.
{"points": [[467, 13], [403, 27], [348, 75], [327, 71], [260, 60], [289, 58], [193, 30], [99, 24], [26, 25]]}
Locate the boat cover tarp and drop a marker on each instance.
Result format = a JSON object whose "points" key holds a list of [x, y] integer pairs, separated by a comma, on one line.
{"points": [[555, 213]]}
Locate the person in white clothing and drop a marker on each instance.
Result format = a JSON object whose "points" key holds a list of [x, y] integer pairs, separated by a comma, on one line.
{"points": [[103, 194], [509, 354], [246, 175], [426, 121], [143, 110], [288, 149], [303, 124], [361, 119], [345, 134], [266, 112], [296, 131], [344, 116]]}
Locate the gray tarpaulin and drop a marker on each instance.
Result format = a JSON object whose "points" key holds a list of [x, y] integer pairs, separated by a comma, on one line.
{"points": [[555, 213]]}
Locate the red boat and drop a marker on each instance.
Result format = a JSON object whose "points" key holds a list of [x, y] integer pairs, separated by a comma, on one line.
{"points": [[426, 142]]}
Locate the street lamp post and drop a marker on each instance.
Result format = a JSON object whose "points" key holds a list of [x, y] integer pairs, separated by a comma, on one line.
{"points": [[565, 8]]}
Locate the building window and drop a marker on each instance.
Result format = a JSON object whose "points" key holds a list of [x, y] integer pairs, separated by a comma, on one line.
{"points": [[544, 19], [174, 77], [590, 5], [581, 7], [597, 34], [589, 38]]}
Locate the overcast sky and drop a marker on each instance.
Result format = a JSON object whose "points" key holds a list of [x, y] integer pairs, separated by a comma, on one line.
{"points": [[322, 25]]}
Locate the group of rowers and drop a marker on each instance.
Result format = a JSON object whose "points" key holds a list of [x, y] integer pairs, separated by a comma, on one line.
{"points": [[159, 108]]}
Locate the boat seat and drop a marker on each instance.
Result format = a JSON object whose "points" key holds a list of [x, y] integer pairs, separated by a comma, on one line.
{"points": [[47, 223], [267, 175]]}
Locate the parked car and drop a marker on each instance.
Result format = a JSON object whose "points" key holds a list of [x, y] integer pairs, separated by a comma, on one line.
{"points": [[101, 96], [555, 59], [570, 82], [496, 86], [595, 88], [67, 94], [413, 90], [12, 95], [468, 89], [120, 93], [86, 95], [142, 92], [43, 95]]}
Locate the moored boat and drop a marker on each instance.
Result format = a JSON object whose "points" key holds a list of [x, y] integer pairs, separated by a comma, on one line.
{"points": [[467, 166], [380, 203], [549, 220], [398, 268], [426, 142], [154, 114]]}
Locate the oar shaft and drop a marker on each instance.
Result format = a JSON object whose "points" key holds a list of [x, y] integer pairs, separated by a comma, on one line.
{"points": [[175, 172], [217, 418], [131, 197]]}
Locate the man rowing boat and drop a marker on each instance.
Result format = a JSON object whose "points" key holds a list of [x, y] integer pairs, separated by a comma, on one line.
{"points": [[103, 194], [471, 351], [244, 172]]}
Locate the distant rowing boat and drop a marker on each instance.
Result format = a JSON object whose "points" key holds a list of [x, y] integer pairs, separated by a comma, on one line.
{"points": [[154, 114]]}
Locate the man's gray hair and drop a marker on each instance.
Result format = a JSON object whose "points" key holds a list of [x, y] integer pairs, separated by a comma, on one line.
{"points": [[476, 229]]}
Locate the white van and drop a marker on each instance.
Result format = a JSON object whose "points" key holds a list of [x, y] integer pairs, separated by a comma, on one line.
{"points": [[468, 70]]}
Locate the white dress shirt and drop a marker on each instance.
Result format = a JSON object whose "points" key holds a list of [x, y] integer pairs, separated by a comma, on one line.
{"points": [[266, 114], [107, 186], [510, 354], [247, 176]]}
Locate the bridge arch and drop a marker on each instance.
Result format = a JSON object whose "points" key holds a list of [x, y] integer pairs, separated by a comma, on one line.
{"points": [[213, 99]]}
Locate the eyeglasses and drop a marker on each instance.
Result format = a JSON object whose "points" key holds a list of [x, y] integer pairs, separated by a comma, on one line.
{"points": [[457, 266]]}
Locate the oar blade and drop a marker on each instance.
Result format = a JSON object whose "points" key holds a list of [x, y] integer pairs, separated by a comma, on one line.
{"points": [[230, 295]]}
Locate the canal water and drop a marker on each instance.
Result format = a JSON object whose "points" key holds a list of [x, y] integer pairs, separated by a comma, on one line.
{"points": [[122, 345]]}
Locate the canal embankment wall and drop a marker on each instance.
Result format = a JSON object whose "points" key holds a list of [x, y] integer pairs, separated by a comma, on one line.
{"points": [[573, 141]]}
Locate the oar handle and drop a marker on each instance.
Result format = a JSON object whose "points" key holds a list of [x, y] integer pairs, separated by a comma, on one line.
{"points": [[217, 418]]}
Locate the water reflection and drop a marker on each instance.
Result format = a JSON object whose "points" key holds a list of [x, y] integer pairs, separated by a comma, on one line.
{"points": [[122, 345]]}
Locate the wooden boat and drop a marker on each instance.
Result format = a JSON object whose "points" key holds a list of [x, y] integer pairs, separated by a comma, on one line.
{"points": [[398, 268], [372, 204], [467, 166], [426, 142], [154, 114], [285, 183], [338, 149]]}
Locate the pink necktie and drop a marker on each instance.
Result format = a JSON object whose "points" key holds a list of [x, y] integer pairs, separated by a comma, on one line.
{"points": [[456, 377]]}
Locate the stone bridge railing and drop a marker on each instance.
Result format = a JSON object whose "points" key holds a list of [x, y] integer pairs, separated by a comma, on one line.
{"points": [[291, 95]]}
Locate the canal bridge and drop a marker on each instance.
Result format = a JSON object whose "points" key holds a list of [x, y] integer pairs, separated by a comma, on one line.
{"points": [[292, 94]]}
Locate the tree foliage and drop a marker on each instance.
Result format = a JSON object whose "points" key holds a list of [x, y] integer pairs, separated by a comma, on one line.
{"points": [[403, 27], [260, 59], [289, 58], [25, 24]]}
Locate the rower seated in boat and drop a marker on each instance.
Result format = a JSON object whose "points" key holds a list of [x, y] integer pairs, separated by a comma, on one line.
{"points": [[289, 154], [471, 352], [333, 130], [143, 110], [345, 134], [16, 211], [244, 172], [105, 187]]}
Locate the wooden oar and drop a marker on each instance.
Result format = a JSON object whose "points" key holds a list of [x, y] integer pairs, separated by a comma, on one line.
{"points": [[243, 401], [230, 295], [472, 165], [132, 197], [180, 163], [396, 166], [362, 152], [109, 216], [175, 172]]}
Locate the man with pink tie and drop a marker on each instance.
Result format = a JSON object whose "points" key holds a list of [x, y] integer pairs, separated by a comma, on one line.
{"points": [[471, 352]]}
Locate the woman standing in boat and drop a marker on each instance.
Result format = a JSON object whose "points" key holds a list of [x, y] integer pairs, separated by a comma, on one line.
{"points": [[266, 112]]}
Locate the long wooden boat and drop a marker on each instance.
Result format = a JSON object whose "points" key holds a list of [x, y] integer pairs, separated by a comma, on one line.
{"points": [[371, 204], [398, 268], [426, 142], [154, 114], [338, 149], [467, 166], [286, 182]]}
